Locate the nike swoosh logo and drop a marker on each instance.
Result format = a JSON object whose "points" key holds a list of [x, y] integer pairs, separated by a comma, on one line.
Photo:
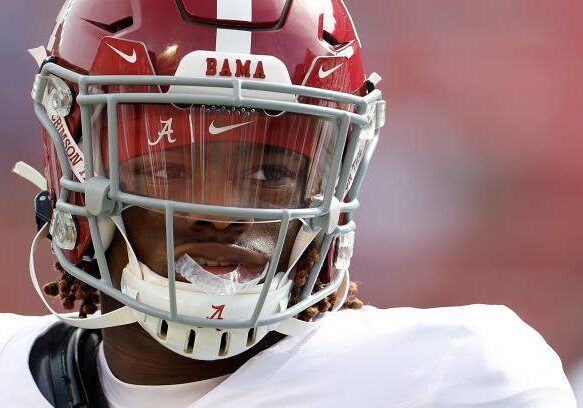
{"points": [[326, 73], [129, 58], [218, 130]]}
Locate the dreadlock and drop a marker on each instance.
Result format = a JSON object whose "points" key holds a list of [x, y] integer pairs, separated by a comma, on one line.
{"points": [[71, 290], [325, 305]]}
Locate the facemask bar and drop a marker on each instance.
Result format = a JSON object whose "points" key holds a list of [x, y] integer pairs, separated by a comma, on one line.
{"points": [[324, 216]]}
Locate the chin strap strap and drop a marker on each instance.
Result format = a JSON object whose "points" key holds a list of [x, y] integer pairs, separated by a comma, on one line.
{"points": [[134, 264], [303, 240], [117, 317], [31, 174], [296, 327]]}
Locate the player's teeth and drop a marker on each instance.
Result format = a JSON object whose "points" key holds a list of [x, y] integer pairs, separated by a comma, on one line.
{"points": [[206, 262]]}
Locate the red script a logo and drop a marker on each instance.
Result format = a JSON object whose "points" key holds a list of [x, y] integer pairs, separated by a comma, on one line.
{"points": [[218, 314]]}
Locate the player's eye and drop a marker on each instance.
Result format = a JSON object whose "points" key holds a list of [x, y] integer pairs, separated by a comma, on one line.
{"points": [[271, 174], [167, 173]]}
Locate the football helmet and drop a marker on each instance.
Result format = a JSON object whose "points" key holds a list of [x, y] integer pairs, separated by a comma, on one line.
{"points": [[235, 113]]}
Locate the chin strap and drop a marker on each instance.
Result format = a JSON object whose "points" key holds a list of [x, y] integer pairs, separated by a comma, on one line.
{"points": [[303, 240], [39, 54], [117, 317], [125, 315], [296, 327], [132, 257], [31, 174]]}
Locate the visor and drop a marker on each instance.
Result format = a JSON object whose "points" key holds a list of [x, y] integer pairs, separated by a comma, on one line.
{"points": [[222, 156]]}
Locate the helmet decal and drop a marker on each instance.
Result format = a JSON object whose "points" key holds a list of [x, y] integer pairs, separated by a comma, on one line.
{"points": [[117, 56]]}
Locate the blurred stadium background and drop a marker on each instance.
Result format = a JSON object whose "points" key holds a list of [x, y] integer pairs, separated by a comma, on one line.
{"points": [[476, 194]]}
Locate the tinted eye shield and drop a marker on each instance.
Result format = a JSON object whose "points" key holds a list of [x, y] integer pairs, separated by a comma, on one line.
{"points": [[184, 155]]}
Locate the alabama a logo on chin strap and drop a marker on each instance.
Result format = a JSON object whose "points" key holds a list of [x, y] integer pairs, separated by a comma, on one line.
{"points": [[218, 312]]}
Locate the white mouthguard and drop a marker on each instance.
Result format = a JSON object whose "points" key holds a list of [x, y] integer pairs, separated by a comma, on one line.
{"points": [[225, 284]]}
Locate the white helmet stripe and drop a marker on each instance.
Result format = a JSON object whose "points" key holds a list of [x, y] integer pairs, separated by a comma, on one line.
{"points": [[238, 41]]}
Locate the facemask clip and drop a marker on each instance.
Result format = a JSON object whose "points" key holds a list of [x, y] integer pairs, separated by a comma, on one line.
{"points": [[97, 201]]}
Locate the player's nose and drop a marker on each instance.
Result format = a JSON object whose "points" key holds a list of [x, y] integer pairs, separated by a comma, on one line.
{"points": [[219, 223]]}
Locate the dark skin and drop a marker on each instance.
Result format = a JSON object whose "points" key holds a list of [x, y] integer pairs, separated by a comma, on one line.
{"points": [[133, 355]]}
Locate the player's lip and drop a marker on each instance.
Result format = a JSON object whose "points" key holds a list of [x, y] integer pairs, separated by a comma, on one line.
{"points": [[222, 253]]}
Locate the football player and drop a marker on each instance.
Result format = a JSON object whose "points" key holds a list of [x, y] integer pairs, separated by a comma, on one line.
{"points": [[202, 167]]}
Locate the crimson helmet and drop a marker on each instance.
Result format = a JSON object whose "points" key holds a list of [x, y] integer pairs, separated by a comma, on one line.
{"points": [[245, 111]]}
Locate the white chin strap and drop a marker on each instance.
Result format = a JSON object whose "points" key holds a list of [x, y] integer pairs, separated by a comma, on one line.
{"points": [[31, 174], [118, 317], [210, 343], [193, 342]]}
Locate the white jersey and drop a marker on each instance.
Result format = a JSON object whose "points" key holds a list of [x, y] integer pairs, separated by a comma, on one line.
{"points": [[576, 380], [448, 357]]}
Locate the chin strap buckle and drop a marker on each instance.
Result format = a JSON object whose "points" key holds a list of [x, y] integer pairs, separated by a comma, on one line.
{"points": [[43, 208]]}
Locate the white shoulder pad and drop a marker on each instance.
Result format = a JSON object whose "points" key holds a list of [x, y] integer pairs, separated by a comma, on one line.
{"points": [[498, 360], [12, 324], [576, 380], [448, 357]]}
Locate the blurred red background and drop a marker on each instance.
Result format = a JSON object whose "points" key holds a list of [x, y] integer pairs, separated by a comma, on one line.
{"points": [[476, 193]]}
